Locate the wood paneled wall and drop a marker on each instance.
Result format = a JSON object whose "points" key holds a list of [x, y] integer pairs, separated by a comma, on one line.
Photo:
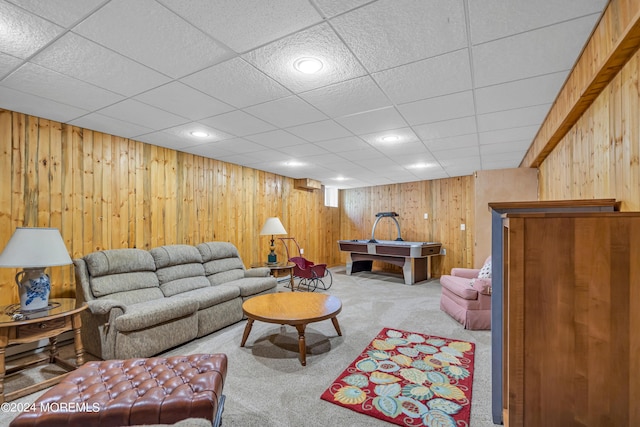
{"points": [[599, 157], [107, 192], [614, 40], [448, 202]]}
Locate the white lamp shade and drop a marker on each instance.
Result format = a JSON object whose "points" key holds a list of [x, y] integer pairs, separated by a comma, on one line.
{"points": [[35, 247], [273, 226]]}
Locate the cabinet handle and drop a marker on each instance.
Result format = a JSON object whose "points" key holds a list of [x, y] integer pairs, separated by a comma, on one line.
{"points": [[42, 325]]}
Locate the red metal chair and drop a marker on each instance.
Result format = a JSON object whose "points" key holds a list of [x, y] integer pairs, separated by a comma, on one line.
{"points": [[311, 275]]}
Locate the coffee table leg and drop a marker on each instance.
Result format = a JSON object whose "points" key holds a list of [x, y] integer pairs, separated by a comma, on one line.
{"points": [[247, 329], [302, 346], [334, 320]]}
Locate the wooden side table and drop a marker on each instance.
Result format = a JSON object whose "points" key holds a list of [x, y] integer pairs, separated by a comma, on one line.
{"points": [[278, 270], [62, 317]]}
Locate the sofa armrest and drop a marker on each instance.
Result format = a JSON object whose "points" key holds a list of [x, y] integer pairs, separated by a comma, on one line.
{"points": [[483, 286], [469, 273], [104, 306], [257, 272]]}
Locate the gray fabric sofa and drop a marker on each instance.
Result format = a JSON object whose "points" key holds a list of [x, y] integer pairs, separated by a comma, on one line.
{"points": [[142, 303]]}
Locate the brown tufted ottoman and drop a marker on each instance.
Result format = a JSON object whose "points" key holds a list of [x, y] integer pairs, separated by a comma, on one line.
{"points": [[134, 391]]}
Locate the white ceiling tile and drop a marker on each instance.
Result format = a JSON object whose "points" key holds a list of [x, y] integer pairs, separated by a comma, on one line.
{"points": [[238, 123], [364, 155], [470, 162], [373, 121], [229, 20], [380, 139], [440, 108], [58, 87], [8, 63], [320, 131], [417, 50], [414, 147], [89, 62], [335, 7], [511, 134], [184, 133], [389, 33], [522, 93], [303, 150], [277, 59], [456, 154], [414, 161], [505, 147], [23, 34], [286, 112], [145, 115], [502, 160], [375, 163], [446, 128], [180, 99], [453, 142], [349, 97], [431, 173], [440, 75], [164, 139], [331, 161], [270, 156], [548, 50], [183, 48], [106, 124], [494, 19], [342, 145], [210, 150], [62, 12], [512, 118], [276, 139], [237, 83], [41, 107], [238, 146]]}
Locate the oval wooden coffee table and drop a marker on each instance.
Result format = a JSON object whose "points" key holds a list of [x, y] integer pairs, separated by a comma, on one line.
{"points": [[292, 308]]}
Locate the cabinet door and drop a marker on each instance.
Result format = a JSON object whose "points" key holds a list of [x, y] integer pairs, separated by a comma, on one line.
{"points": [[573, 304]]}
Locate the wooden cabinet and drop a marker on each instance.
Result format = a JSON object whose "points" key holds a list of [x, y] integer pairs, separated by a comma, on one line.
{"points": [[571, 327]]}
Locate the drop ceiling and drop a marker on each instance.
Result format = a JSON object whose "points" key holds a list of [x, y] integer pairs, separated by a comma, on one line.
{"points": [[461, 85]]}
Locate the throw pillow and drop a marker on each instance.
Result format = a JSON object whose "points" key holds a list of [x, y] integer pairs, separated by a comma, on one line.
{"points": [[472, 282], [485, 271]]}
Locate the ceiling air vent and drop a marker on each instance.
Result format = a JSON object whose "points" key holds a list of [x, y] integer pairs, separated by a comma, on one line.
{"points": [[307, 184]]}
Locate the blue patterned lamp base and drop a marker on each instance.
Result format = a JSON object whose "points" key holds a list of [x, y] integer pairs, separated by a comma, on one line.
{"points": [[34, 288]]}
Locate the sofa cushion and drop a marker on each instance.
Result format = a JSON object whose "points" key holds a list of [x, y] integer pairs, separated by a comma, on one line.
{"points": [[114, 261], [122, 270], [221, 262], [211, 295], [150, 313], [254, 285], [179, 269], [459, 286], [166, 256], [124, 282]]}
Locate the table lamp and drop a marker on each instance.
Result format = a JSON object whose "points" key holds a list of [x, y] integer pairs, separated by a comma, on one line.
{"points": [[34, 249], [273, 226]]}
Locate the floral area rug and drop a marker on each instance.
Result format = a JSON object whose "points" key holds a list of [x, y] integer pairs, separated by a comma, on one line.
{"points": [[407, 378]]}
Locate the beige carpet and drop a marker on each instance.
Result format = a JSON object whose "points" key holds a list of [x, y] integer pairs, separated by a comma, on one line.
{"points": [[267, 386]]}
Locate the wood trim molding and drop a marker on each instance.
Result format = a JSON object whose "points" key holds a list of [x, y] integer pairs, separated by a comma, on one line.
{"points": [[575, 98]]}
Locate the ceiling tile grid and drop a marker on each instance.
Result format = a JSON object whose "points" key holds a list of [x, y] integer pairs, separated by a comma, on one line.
{"points": [[406, 90]]}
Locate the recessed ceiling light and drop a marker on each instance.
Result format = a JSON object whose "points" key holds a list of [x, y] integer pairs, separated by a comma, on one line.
{"points": [[308, 65], [199, 134], [421, 165], [390, 138], [293, 163]]}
